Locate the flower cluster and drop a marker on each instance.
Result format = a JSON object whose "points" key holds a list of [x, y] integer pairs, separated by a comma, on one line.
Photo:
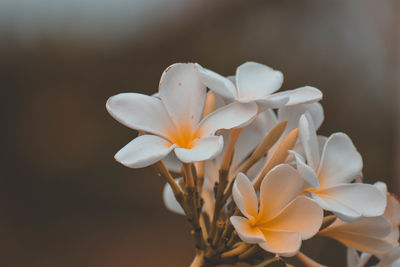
{"points": [[252, 175]]}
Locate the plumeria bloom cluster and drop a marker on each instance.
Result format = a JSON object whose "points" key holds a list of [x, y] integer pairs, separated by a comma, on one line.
{"points": [[245, 165]]}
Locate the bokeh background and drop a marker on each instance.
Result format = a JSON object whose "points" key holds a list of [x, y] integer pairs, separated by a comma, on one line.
{"points": [[64, 201]]}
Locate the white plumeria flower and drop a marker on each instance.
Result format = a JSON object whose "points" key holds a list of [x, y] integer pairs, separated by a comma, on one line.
{"points": [[328, 175], [173, 120], [283, 219], [257, 82]]}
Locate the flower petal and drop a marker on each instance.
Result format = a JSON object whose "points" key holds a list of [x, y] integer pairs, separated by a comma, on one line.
{"points": [[364, 234], [283, 243], [306, 171], [280, 186], [292, 115], [230, 116], [143, 151], [257, 81], [217, 83], [203, 149], [245, 196], [302, 95], [365, 199], [302, 215], [140, 112], [245, 231], [340, 161], [391, 259], [309, 139], [352, 257], [252, 135], [169, 199], [183, 94], [173, 163]]}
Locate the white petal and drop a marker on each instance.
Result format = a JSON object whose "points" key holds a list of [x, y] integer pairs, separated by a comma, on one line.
{"points": [[303, 95], [245, 197], [309, 139], [143, 151], [257, 80], [280, 186], [230, 116], [302, 215], [211, 173], [173, 163], [306, 171], [245, 231], [392, 211], [365, 199], [203, 149], [182, 93], [217, 83], [292, 115], [140, 112], [252, 135], [364, 234], [170, 200], [283, 243], [271, 101], [352, 257], [208, 206], [340, 161]]}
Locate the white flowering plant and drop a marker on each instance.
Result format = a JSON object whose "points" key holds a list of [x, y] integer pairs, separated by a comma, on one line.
{"points": [[251, 174]]}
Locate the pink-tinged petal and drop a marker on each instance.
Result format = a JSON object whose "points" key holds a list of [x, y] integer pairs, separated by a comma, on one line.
{"points": [[283, 243], [203, 149], [183, 94], [169, 199], [140, 112], [246, 232], [257, 80], [393, 237], [392, 211], [302, 215], [208, 206], [230, 116], [217, 83], [365, 199], [308, 137], [280, 186], [306, 171], [211, 173], [363, 235], [292, 115], [245, 196], [143, 151], [340, 161], [390, 259], [252, 135], [303, 95]]}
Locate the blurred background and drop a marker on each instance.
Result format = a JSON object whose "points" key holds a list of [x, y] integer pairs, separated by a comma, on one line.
{"points": [[64, 201]]}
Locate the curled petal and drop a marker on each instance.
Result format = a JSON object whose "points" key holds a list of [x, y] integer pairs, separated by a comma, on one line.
{"points": [[283, 243], [246, 232], [230, 116], [308, 137], [340, 161], [217, 83], [140, 112], [303, 95], [203, 149], [170, 200], [306, 171], [302, 215], [257, 80], [364, 234], [280, 186], [143, 151], [245, 196], [182, 93]]}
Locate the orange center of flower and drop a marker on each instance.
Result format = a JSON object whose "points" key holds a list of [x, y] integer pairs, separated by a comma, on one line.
{"points": [[184, 136]]}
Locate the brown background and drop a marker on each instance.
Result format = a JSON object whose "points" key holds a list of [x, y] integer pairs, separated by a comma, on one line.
{"points": [[63, 199]]}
